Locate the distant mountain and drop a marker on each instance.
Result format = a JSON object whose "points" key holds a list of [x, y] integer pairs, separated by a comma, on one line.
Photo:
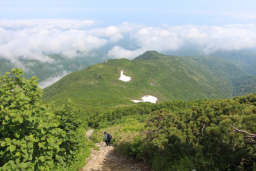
{"points": [[239, 65], [152, 73], [244, 60], [245, 81], [244, 85], [5, 66], [230, 66], [47, 70]]}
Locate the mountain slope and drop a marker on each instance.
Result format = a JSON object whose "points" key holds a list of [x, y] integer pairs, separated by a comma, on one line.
{"points": [[244, 85], [165, 77], [244, 59]]}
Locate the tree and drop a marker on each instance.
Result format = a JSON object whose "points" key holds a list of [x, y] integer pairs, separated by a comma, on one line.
{"points": [[30, 136]]}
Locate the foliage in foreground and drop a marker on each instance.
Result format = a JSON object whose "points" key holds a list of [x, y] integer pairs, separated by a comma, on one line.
{"points": [[32, 136]]}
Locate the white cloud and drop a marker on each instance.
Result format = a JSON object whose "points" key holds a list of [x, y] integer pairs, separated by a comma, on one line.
{"points": [[112, 32], [119, 52], [207, 38], [35, 39], [158, 39]]}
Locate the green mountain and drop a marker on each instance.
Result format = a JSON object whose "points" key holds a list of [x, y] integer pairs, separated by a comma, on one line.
{"points": [[152, 73], [244, 85], [244, 59]]}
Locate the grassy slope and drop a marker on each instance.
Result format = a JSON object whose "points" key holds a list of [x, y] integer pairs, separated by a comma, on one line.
{"points": [[166, 77]]}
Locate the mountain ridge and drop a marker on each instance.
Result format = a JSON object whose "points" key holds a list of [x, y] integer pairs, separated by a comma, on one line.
{"points": [[152, 73]]}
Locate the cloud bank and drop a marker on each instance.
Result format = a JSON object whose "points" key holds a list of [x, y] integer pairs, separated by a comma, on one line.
{"points": [[37, 39]]}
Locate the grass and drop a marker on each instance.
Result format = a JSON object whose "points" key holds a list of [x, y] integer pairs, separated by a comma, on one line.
{"points": [[122, 132]]}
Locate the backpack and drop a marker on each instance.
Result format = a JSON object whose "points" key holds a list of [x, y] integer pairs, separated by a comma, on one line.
{"points": [[109, 137]]}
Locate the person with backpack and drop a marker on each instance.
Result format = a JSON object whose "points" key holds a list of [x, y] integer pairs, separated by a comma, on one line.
{"points": [[107, 138]]}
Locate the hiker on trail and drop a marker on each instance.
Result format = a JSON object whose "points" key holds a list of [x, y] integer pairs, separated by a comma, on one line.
{"points": [[107, 138]]}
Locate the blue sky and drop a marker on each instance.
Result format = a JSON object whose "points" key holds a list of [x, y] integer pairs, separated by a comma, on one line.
{"points": [[179, 12]]}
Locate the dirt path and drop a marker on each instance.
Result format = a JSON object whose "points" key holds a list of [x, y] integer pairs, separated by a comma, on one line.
{"points": [[89, 133], [105, 159]]}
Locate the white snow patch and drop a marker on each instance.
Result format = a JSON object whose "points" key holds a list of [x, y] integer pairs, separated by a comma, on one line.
{"points": [[136, 101], [124, 78], [148, 98]]}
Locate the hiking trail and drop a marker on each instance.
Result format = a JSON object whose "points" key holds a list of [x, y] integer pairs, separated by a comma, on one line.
{"points": [[106, 159]]}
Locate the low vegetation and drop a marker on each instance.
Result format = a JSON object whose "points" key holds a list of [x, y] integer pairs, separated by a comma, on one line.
{"points": [[201, 135]]}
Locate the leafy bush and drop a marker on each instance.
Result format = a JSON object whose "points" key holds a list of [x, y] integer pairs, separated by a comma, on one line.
{"points": [[32, 137], [115, 116], [70, 124]]}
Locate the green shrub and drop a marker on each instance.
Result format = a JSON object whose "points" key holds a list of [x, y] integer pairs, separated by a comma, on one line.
{"points": [[207, 135], [32, 137]]}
